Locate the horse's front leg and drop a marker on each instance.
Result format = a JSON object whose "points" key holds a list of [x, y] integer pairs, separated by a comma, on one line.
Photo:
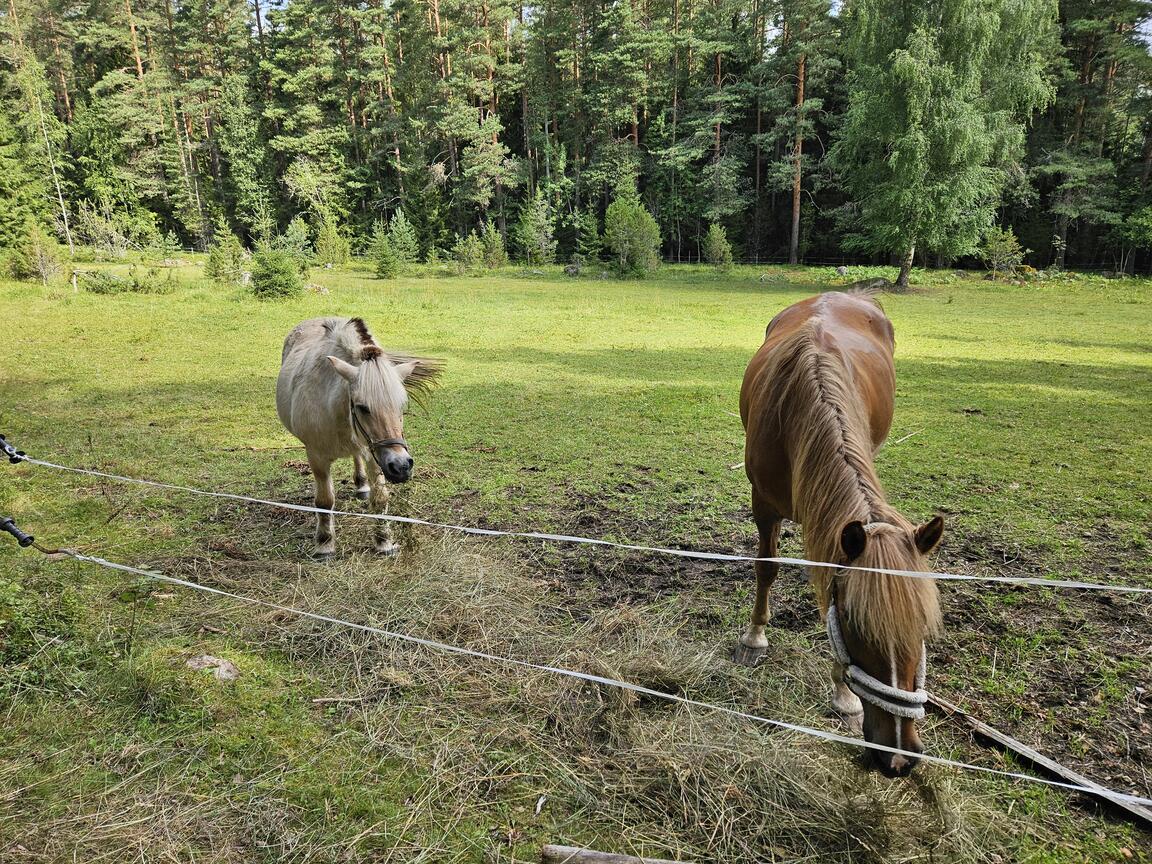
{"points": [[360, 477], [378, 502], [844, 702], [325, 499], [754, 641]]}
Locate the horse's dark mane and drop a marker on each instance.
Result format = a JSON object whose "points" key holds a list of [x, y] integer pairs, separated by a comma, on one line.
{"points": [[362, 331]]}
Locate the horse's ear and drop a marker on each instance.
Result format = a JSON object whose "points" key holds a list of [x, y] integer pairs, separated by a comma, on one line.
{"points": [[419, 374], [853, 539], [928, 535], [346, 370], [405, 370]]}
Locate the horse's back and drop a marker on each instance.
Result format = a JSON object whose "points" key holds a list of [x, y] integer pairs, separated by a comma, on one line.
{"points": [[844, 332], [306, 381]]}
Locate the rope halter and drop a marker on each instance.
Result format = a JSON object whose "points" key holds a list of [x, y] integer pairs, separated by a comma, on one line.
{"points": [[887, 697]]}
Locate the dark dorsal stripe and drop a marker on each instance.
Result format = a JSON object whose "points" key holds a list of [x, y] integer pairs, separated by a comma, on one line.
{"points": [[362, 331]]}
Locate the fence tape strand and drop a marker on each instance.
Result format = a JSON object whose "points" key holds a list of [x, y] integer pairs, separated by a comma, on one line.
{"points": [[589, 541]]}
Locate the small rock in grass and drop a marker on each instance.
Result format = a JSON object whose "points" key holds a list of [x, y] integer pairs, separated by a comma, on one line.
{"points": [[224, 670]]}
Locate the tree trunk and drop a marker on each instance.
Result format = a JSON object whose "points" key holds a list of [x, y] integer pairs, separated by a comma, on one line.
{"points": [[1147, 170], [63, 80], [798, 152], [259, 26], [135, 43], [719, 78], [906, 268]]}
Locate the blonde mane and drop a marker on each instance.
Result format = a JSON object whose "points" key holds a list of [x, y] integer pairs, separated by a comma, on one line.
{"points": [[362, 349], [834, 482]]}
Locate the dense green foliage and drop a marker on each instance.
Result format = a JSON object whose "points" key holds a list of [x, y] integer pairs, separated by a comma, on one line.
{"points": [[275, 273], [468, 254], [136, 281], [387, 261], [33, 255], [227, 259], [632, 236], [402, 237], [1002, 252], [535, 234], [802, 127], [716, 248]]}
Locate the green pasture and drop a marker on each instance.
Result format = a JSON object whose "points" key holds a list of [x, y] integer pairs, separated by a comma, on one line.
{"points": [[587, 406]]}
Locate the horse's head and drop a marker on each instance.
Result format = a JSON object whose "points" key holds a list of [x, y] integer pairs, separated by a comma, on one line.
{"points": [[884, 621], [378, 391]]}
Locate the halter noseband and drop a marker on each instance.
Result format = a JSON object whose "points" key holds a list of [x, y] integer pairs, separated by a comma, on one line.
{"points": [[358, 428], [887, 697]]}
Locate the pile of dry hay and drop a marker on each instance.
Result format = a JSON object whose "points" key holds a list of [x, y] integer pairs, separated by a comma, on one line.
{"points": [[632, 772], [563, 760]]}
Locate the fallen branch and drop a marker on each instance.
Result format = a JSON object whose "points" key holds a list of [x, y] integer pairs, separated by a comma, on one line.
{"points": [[575, 855], [1021, 749]]}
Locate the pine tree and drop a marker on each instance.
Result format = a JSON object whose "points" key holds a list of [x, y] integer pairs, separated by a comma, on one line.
{"points": [[717, 250], [495, 255], [23, 189], [402, 237], [633, 236], [535, 234], [389, 264]]}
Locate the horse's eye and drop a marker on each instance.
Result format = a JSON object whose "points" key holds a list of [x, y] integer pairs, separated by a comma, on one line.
{"points": [[363, 408]]}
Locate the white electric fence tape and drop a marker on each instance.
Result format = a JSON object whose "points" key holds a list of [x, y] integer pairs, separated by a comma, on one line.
{"points": [[568, 538]]}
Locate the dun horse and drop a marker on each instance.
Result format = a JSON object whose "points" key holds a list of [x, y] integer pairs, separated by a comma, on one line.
{"points": [[342, 395], [817, 403]]}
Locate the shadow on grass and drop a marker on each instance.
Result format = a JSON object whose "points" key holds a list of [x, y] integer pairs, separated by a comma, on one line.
{"points": [[1078, 382], [680, 385]]}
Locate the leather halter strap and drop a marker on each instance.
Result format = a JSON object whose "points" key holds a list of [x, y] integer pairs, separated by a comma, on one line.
{"points": [[372, 444]]}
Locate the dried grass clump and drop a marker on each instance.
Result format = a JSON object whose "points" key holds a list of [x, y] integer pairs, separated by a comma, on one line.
{"points": [[666, 778], [143, 816]]}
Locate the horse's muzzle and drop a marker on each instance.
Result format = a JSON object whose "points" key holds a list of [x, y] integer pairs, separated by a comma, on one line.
{"points": [[894, 764], [395, 463]]}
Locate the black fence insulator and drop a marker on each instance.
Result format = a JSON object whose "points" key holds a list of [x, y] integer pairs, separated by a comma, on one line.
{"points": [[8, 524], [11, 452]]}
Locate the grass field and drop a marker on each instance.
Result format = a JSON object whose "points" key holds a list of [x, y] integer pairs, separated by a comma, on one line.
{"points": [[588, 406]]}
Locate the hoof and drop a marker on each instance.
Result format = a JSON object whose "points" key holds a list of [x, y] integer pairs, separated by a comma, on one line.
{"points": [[363, 494], [746, 656], [387, 550], [322, 557]]}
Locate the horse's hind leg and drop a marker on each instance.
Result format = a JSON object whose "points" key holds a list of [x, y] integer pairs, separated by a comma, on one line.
{"points": [[379, 504], [360, 478], [325, 499], [754, 642]]}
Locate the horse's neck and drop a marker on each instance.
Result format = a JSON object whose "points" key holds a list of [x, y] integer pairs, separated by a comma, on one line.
{"points": [[837, 484]]}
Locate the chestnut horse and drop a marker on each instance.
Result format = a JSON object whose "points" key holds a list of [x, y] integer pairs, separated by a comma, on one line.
{"points": [[817, 403]]}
